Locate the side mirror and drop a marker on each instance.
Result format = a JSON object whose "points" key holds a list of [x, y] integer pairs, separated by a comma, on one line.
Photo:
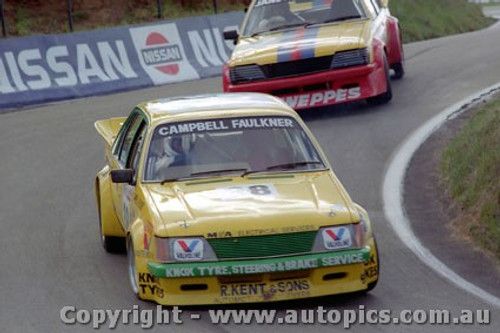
{"points": [[125, 176], [231, 35]]}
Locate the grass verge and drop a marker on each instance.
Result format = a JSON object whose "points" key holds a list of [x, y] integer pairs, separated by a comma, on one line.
{"points": [[34, 17], [420, 19], [425, 19], [470, 168]]}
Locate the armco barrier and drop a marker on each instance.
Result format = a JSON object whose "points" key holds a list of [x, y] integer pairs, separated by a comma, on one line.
{"points": [[47, 68]]}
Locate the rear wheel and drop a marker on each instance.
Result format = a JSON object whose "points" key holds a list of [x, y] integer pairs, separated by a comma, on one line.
{"points": [[132, 268], [387, 95], [111, 244]]}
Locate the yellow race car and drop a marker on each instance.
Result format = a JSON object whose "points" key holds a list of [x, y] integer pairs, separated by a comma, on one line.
{"points": [[315, 53], [228, 198]]}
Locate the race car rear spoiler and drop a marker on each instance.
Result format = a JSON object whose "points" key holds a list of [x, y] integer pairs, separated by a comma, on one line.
{"points": [[108, 128]]}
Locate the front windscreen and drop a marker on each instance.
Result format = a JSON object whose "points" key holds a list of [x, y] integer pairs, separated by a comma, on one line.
{"points": [[274, 15], [229, 146]]}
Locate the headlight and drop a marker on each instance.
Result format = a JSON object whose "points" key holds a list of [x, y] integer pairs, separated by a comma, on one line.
{"points": [[183, 249], [342, 237], [350, 58], [247, 73]]}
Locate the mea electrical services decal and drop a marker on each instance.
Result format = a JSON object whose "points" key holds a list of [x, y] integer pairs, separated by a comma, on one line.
{"points": [[161, 53]]}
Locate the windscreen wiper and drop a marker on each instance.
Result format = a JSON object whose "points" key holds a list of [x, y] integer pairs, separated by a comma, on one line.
{"points": [[292, 165], [169, 180], [283, 166], [341, 18], [202, 174], [289, 25], [211, 172], [257, 33]]}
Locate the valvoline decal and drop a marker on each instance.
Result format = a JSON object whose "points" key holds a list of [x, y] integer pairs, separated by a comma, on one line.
{"points": [[188, 249]]}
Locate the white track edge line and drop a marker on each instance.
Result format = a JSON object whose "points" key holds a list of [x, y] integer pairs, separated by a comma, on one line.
{"points": [[392, 193]]}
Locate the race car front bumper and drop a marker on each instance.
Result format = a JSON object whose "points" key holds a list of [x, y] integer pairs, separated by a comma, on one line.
{"points": [[258, 280], [320, 89]]}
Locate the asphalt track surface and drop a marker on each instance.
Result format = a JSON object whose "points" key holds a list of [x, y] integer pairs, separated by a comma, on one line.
{"points": [[51, 256]]}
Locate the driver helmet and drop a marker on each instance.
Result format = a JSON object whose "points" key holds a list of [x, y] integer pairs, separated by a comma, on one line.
{"points": [[178, 144]]}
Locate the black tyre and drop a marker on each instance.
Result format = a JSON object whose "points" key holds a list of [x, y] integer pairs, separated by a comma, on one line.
{"points": [[111, 244], [132, 269], [385, 97], [373, 284], [399, 71], [399, 68]]}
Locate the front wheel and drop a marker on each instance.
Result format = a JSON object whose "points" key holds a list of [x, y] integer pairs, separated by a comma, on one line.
{"points": [[373, 284], [399, 68], [399, 71], [385, 97], [132, 268]]}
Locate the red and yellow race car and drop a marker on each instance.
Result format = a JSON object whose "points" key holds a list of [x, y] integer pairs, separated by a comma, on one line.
{"points": [[314, 53], [228, 199]]}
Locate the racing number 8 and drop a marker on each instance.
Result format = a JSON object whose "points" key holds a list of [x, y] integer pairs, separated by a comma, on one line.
{"points": [[259, 190]]}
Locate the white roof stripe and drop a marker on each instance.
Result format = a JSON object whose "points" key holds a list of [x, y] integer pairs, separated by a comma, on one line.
{"points": [[214, 102]]}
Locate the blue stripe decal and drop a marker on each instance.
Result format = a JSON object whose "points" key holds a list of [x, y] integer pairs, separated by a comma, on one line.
{"points": [[322, 2], [309, 48], [287, 48], [284, 50]]}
